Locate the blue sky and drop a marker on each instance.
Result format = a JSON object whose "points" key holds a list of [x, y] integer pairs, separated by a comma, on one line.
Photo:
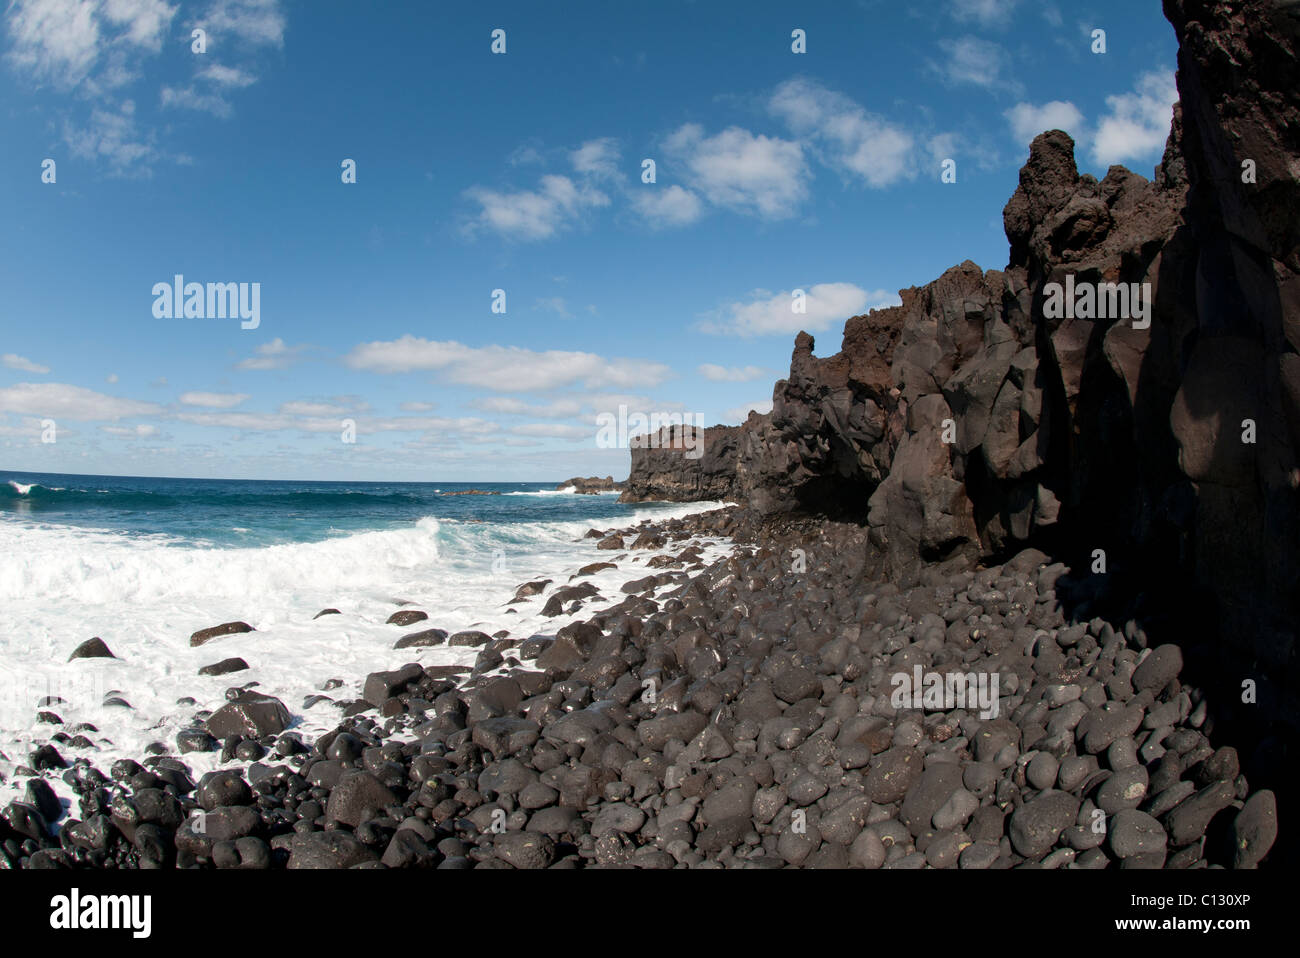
{"points": [[775, 171]]}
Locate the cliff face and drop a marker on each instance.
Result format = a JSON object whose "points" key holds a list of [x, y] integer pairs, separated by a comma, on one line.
{"points": [[975, 419], [684, 464], [1236, 349]]}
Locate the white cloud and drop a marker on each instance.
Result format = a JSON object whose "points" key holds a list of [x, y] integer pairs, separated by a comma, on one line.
{"points": [[234, 26], [664, 207], [535, 214], [188, 98], [826, 303], [257, 22], [742, 171], [971, 60], [550, 430], [113, 135], [525, 155], [507, 405], [1136, 125], [610, 403], [282, 421], [23, 364], [985, 12], [110, 378], [144, 20], [64, 401], [55, 40], [96, 47], [555, 304], [139, 431], [273, 355], [64, 41], [505, 368], [723, 374], [227, 76], [1028, 120], [741, 413], [212, 400], [853, 140], [417, 406], [598, 158], [249, 421], [308, 408]]}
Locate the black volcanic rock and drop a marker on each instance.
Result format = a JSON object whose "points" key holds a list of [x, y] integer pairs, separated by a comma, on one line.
{"points": [[684, 464], [249, 714], [590, 486], [216, 631], [94, 648]]}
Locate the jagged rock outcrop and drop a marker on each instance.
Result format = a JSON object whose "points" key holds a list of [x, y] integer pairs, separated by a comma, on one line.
{"points": [[683, 464]]}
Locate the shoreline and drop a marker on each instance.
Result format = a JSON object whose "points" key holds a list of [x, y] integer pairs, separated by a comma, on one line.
{"points": [[734, 713]]}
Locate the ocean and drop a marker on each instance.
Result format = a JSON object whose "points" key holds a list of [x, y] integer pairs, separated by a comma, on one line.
{"points": [[143, 562]]}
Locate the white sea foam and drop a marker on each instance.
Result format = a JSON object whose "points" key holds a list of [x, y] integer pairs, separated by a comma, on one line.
{"points": [[144, 595]]}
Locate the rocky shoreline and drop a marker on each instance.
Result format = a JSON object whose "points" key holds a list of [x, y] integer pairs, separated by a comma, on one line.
{"points": [[740, 713]]}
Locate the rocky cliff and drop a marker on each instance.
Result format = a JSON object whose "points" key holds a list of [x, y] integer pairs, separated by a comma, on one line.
{"points": [[683, 464], [975, 419]]}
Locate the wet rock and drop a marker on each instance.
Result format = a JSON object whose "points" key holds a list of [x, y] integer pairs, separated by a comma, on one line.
{"points": [[217, 631], [224, 667], [249, 715], [406, 617], [94, 648], [422, 640], [357, 797], [41, 796], [469, 638], [329, 849], [381, 686], [224, 787]]}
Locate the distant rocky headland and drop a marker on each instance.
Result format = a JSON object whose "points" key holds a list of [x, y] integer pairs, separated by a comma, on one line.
{"points": [[590, 486]]}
